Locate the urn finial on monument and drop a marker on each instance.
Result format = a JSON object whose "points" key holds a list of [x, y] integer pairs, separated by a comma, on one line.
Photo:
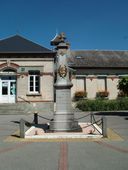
{"points": [[63, 117], [60, 41]]}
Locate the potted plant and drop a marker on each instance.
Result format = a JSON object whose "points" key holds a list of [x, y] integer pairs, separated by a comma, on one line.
{"points": [[102, 94], [80, 95]]}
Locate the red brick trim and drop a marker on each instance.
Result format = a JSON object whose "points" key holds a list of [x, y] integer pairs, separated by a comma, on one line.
{"points": [[10, 65], [63, 159], [24, 74], [112, 78], [36, 101], [41, 74], [46, 74], [91, 78]]}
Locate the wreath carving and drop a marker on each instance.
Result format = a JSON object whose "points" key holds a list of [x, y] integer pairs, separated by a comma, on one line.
{"points": [[62, 71]]}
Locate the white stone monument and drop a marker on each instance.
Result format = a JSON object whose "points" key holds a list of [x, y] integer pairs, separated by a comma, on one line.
{"points": [[63, 117]]}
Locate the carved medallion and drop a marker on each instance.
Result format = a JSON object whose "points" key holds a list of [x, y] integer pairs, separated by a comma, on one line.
{"points": [[62, 71]]}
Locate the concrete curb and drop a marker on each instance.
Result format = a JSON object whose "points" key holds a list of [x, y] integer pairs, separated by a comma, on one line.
{"points": [[112, 136]]}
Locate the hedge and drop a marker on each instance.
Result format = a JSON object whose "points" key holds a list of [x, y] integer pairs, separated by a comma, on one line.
{"points": [[103, 105]]}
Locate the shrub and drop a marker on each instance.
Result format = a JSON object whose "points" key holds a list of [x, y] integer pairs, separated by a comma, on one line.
{"points": [[103, 105], [123, 85], [123, 103], [121, 94]]}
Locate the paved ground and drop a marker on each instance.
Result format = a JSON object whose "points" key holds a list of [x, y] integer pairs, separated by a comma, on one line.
{"points": [[105, 154]]}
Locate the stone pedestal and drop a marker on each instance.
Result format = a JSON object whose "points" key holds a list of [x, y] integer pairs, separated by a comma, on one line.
{"points": [[64, 116]]}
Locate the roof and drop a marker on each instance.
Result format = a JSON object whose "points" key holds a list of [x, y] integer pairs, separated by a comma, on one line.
{"points": [[18, 44], [95, 58]]}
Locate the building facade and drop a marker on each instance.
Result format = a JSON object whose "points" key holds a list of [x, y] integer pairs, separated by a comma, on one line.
{"points": [[26, 72], [98, 71]]}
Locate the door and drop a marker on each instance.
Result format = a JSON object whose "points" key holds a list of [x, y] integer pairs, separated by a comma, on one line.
{"points": [[12, 93], [8, 91]]}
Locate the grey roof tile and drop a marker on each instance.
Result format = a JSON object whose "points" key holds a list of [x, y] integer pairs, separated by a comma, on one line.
{"points": [[95, 58], [18, 44]]}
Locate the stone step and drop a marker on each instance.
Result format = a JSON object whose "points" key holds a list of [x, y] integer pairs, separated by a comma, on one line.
{"points": [[25, 108], [11, 109]]}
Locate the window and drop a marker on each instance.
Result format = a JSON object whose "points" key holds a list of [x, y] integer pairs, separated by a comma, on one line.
{"points": [[34, 81]]}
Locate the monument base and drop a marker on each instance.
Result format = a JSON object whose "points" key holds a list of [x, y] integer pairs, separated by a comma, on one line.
{"points": [[42, 132], [65, 126]]}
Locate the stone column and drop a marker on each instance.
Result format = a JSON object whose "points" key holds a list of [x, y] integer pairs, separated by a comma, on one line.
{"points": [[64, 116]]}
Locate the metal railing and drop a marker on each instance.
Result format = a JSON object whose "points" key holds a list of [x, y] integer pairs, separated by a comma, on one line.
{"points": [[32, 104], [100, 122], [27, 101]]}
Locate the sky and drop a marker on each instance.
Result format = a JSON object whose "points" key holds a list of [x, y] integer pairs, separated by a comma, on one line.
{"points": [[88, 24]]}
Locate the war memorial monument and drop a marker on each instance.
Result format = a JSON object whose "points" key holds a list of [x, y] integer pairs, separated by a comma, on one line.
{"points": [[63, 124]]}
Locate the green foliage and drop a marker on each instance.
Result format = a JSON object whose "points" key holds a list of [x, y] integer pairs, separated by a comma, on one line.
{"points": [[103, 105], [123, 103], [123, 85]]}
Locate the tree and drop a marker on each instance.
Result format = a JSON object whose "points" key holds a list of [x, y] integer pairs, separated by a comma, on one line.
{"points": [[123, 85]]}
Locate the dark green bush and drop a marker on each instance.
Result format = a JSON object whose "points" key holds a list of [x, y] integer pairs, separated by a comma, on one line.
{"points": [[123, 85], [123, 103], [103, 105]]}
